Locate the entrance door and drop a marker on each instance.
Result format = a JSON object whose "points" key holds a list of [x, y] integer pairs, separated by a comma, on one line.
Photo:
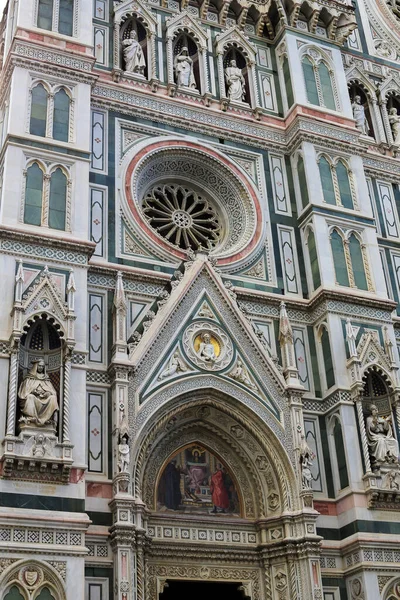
{"points": [[201, 590]]}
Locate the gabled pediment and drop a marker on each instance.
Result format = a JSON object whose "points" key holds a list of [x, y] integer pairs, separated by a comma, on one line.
{"points": [[200, 332], [43, 295], [233, 37], [134, 8], [184, 23], [371, 352]]}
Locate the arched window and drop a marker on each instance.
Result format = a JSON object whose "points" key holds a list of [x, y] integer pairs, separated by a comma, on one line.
{"points": [[66, 17], [339, 259], [33, 195], [340, 455], [326, 181], [45, 594], [38, 111], [14, 594], [310, 81], [61, 116], [57, 200], [357, 263], [327, 356], [302, 182], [288, 82], [326, 86], [45, 14], [312, 253], [344, 185]]}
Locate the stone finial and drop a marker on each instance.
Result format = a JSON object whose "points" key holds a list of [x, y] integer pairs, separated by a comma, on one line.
{"points": [[19, 282], [119, 295]]}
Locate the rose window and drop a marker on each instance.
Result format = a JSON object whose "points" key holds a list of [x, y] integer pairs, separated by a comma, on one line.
{"points": [[182, 217], [394, 6]]}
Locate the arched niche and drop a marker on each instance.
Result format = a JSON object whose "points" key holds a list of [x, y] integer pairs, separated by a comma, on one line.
{"points": [[129, 26], [233, 45], [41, 347], [135, 16], [183, 31], [391, 591], [356, 89]]}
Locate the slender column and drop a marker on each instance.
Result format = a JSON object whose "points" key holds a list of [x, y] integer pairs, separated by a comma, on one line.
{"points": [[385, 118], [116, 45], [363, 434], [12, 391], [398, 413], [380, 133], [66, 396]]}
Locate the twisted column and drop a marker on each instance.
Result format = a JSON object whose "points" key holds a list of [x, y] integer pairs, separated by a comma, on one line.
{"points": [[12, 392], [139, 573], [363, 433], [66, 396]]}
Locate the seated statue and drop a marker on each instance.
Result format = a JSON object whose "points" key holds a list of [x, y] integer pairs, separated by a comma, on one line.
{"points": [[37, 396], [383, 446]]}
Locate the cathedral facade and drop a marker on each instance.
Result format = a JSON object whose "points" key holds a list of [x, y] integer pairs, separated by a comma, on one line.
{"points": [[200, 283]]}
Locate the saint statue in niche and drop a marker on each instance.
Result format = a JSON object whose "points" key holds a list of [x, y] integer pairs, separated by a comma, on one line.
{"points": [[133, 54], [183, 66], [394, 120], [359, 115], [37, 397], [235, 82], [383, 446], [196, 482]]}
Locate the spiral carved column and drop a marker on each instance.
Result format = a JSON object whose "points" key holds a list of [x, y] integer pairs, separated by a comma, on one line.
{"points": [[66, 397], [363, 434], [12, 392]]}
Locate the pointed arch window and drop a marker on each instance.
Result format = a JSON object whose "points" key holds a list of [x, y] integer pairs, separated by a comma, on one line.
{"points": [[33, 195], [288, 81], [357, 263], [38, 120], [336, 183], [61, 116], [327, 357], [350, 261], [45, 14], [325, 173], [54, 187], [326, 86], [339, 259], [56, 16], [310, 81], [57, 199], [319, 80], [14, 594], [312, 254], [340, 455], [45, 594], [301, 173], [342, 174]]}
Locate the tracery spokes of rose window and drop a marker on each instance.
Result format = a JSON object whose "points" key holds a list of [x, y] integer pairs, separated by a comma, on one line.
{"points": [[182, 217]]}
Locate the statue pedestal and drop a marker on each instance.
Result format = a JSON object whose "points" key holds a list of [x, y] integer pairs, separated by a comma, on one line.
{"points": [[383, 487], [36, 455]]}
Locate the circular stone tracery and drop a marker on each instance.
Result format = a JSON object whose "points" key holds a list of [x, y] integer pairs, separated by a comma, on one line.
{"points": [[182, 217]]}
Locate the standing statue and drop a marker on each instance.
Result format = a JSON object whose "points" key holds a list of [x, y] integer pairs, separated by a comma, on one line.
{"points": [[359, 115], [133, 54], [123, 454], [383, 446], [351, 338], [37, 396], [206, 348], [394, 120], [183, 66], [235, 82]]}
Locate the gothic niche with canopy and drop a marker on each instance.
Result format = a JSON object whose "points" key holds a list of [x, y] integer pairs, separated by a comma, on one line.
{"points": [[379, 424], [134, 51], [195, 481], [186, 63], [361, 110], [40, 376], [236, 76]]}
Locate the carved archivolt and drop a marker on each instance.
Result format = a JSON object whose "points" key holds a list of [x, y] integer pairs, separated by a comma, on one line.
{"points": [[263, 472]]}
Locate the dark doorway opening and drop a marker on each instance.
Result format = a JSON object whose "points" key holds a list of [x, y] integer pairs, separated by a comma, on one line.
{"points": [[201, 590]]}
